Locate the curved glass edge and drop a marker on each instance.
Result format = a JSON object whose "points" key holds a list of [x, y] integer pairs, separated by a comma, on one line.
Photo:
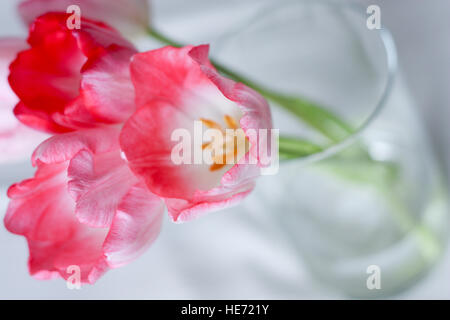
{"points": [[392, 67]]}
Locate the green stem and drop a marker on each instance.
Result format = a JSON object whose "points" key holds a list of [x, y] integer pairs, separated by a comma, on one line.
{"points": [[161, 38], [358, 168], [291, 148]]}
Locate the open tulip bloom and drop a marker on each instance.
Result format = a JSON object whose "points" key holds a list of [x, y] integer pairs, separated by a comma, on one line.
{"points": [[121, 136]]}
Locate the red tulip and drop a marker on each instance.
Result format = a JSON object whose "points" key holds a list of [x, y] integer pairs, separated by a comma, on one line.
{"points": [[68, 79]]}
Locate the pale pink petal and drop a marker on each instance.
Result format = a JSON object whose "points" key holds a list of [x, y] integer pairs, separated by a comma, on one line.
{"points": [[168, 74], [128, 16], [17, 142], [183, 210], [235, 185], [9, 47], [99, 177], [135, 227], [146, 141], [42, 210], [106, 87], [63, 147], [98, 183], [49, 260], [40, 207]]}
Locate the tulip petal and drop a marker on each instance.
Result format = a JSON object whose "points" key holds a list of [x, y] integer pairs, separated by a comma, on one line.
{"points": [[49, 80], [106, 87], [63, 147], [98, 183], [41, 207], [128, 16], [9, 47], [217, 199], [42, 210], [99, 177], [49, 260], [48, 73], [135, 227], [235, 185], [146, 141]]}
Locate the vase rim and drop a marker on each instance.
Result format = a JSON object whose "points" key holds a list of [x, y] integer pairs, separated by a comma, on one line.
{"points": [[390, 50]]}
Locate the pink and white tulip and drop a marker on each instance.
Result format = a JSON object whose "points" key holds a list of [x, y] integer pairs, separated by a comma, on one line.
{"points": [[130, 17], [84, 207], [174, 88]]}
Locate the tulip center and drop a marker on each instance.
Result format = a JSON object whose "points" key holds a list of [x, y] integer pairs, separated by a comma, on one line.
{"points": [[229, 146]]}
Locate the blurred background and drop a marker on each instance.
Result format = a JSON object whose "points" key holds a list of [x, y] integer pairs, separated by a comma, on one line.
{"points": [[261, 250]]}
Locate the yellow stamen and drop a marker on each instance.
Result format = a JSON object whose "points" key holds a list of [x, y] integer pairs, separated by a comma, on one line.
{"points": [[231, 123], [211, 124], [217, 166], [235, 143]]}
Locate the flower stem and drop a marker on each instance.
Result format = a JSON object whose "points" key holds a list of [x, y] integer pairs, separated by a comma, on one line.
{"points": [[161, 38], [291, 148]]}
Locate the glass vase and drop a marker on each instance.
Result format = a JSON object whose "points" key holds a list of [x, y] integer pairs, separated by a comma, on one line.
{"points": [[368, 214]]}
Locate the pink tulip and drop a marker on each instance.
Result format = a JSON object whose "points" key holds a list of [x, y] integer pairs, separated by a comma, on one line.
{"points": [[174, 87], [83, 208], [128, 16]]}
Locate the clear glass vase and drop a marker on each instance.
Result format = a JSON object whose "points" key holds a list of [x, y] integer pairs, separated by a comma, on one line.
{"points": [[368, 214]]}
